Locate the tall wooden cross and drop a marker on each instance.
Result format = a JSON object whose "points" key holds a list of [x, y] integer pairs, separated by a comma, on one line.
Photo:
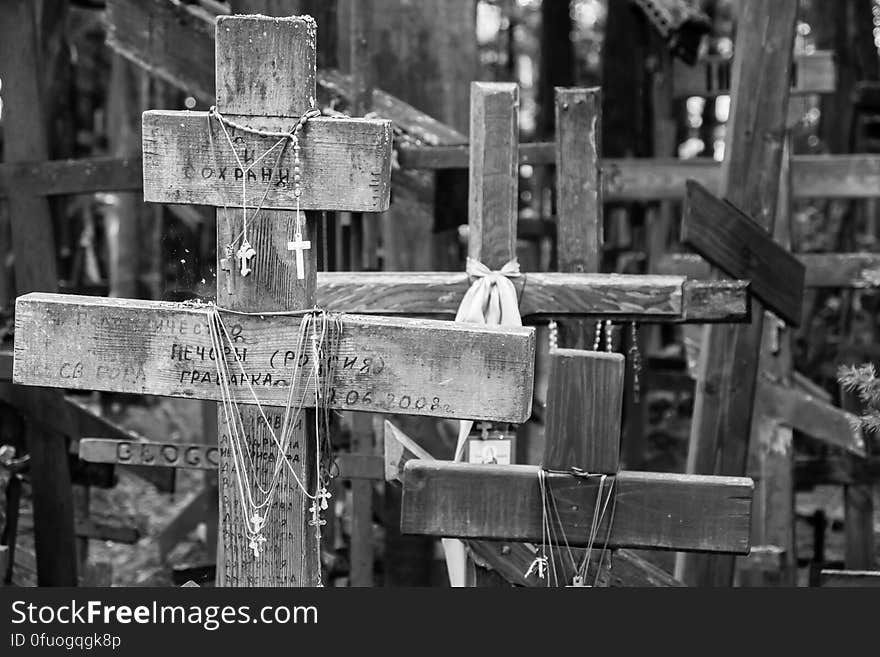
{"points": [[265, 81], [724, 403], [651, 510]]}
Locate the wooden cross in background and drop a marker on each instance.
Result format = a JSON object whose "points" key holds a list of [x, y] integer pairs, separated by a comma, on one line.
{"points": [[651, 510], [265, 70]]}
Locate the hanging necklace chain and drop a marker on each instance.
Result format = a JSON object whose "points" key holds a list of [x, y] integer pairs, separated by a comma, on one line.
{"points": [[246, 251], [320, 376]]}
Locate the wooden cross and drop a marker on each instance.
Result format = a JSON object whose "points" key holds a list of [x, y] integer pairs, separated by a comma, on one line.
{"points": [[724, 404], [265, 80], [493, 236], [652, 510]]}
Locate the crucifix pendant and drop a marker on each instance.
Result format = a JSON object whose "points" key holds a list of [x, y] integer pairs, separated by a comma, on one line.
{"points": [[245, 253], [299, 245]]}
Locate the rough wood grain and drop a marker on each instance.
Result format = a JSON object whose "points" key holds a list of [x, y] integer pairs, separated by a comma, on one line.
{"points": [[346, 163], [512, 560], [578, 185], [282, 84], [584, 404], [409, 366], [742, 249], [646, 298], [653, 510], [494, 174]]}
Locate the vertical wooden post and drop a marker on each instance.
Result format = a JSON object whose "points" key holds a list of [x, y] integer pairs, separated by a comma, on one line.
{"points": [[578, 194], [750, 180], [493, 188], [361, 424], [289, 557], [36, 270], [494, 173], [771, 458], [858, 511]]}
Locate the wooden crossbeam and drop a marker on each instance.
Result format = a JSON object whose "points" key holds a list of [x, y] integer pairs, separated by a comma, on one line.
{"points": [[199, 456], [725, 236], [850, 578], [655, 510], [511, 560], [649, 298], [348, 160], [647, 179], [419, 367], [811, 416], [815, 73], [822, 270]]}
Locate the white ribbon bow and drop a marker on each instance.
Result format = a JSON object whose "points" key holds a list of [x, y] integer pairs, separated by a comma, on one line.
{"points": [[491, 300]]}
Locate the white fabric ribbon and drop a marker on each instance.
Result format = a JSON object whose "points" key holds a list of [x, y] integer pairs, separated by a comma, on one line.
{"points": [[491, 300]]}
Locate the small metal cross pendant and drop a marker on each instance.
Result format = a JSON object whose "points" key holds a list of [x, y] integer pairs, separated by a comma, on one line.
{"points": [[245, 253], [299, 245]]}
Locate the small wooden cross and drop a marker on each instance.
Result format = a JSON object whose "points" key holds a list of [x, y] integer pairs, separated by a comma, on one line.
{"points": [[299, 245], [652, 510]]}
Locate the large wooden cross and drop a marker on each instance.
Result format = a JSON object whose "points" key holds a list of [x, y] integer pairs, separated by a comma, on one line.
{"points": [[651, 510], [265, 80]]}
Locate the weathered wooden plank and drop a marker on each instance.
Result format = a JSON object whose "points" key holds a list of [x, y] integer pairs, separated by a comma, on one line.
{"points": [[850, 578], [101, 531], [149, 453], [175, 41], [811, 416], [198, 456], [647, 298], [663, 179], [814, 176], [409, 366], [80, 176], [822, 270], [742, 249], [286, 80], [508, 559], [653, 510], [494, 175], [184, 164], [724, 301], [578, 184], [584, 404], [815, 73], [171, 39]]}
